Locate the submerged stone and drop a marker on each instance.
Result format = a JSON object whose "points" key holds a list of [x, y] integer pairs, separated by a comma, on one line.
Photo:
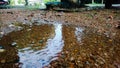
{"points": [[14, 44], [2, 49], [41, 41]]}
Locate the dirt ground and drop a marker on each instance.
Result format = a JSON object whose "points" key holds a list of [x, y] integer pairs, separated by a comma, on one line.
{"points": [[105, 21], [101, 19]]}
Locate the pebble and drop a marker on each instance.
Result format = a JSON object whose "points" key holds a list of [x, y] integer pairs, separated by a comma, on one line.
{"points": [[2, 33], [3, 61], [87, 62], [29, 29], [11, 25], [19, 28], [14, 44], [41, 41], [96, 65], [2, 49], [72, 58]]}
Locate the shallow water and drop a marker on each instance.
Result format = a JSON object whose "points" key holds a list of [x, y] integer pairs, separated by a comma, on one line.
{"points": [[37, 46], [42, 57]]}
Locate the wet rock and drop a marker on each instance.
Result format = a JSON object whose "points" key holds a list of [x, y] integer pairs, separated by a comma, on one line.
{"points": [[24, 23], [72, 59], [96, 64], [1, 34], [2, 49], [19, 65], [29, 29], [14, 44], [41, 41], [36, 21], [87, 62], [33, 42], [3, 61], [19, 28], [11, 25], [100, 61]]}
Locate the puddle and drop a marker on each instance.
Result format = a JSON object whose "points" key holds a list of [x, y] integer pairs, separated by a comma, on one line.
{"points": [[37, 46], [40, 45], [41, 58], [79, 33]]}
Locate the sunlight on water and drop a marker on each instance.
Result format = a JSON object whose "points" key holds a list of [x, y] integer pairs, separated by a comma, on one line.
{"points": [[78, 33], [41, 58], [57, 46]]}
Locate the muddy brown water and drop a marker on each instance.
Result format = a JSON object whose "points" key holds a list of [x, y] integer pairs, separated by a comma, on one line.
{"points": [[59, 46]]}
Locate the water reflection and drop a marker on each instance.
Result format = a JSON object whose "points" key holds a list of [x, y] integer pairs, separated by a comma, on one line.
{"points": [[78, 33], [41, 58], [37, 46]]}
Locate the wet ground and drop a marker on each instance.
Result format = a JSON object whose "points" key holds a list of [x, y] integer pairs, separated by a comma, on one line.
{"points": [[50, 39], [59, 46]]}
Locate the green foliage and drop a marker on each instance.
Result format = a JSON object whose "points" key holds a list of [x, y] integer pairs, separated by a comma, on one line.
{"points": [[12, 2], [19, 1], [51, 1]]}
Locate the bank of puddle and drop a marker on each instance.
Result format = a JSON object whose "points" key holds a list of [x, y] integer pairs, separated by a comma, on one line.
{"points": [[37, 46]]}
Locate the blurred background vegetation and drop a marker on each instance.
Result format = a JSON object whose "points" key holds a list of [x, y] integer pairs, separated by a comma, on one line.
{"points": [[37, 2], [41, 3]]}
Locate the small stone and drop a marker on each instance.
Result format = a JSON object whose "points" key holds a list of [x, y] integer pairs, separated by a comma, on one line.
{"points": [[101, 62], [78, 61], [72, 58], [106, 54], [2, 49], [66, 52], [3, 61], [32, 42], [14, 44], [11, 25], [87, 62], [41, 41], [19, 28], [110, 40], [23, 23], [29, 29], [96, 65], [2, 33]]}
